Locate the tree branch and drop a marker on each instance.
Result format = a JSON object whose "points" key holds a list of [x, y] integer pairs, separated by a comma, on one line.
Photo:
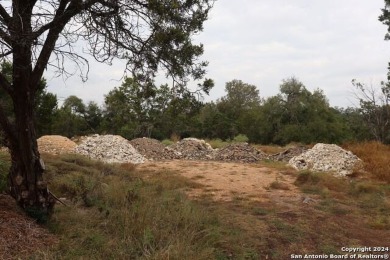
{"points": [[56, 27], [3, 13], [5, 37], [5, 54]]}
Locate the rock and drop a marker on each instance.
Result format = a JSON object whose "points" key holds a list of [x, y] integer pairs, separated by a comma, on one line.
{"points": [[241, 152], [286, 155], [326, 158], [153, 149], [192, 149], [55, 144], [109, 149]]}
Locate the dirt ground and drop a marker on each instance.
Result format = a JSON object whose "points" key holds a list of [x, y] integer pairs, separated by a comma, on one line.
{"points": [[227, 181]]}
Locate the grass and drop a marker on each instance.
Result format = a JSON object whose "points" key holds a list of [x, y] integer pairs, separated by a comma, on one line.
{"points": [[116, 213], [122, 212], [217, 143], [375, 157], [4, 169], [367, 199]]}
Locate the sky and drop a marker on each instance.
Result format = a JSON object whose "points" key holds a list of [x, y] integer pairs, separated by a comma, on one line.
{"points": [[325, 44]]}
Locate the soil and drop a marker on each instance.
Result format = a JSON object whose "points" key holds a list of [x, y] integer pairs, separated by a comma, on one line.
{"points": [[20, 235], [55, 144], [227, 181]]}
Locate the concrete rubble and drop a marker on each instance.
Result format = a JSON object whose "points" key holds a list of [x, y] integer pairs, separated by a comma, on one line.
{"points": [[153, 149], [289, 153], [192, 149], [109, 149], [326, 158], [240, 152]]}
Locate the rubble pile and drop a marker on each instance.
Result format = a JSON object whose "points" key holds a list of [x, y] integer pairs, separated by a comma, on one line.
{"points": [[55, 144], [153, 149], [286, 155], [192, 149], [240, 152], [326, 158], [109, 149]]}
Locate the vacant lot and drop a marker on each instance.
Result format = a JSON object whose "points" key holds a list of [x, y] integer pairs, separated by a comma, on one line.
{"points": [[206, 210]]}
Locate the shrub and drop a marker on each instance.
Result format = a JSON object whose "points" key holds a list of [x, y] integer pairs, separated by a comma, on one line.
{"points": [[167, 142], [241, 139], [217, 143], [4, 168]]}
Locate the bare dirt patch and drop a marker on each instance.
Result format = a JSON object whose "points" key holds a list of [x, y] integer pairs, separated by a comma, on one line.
{"points": [[226, 181]]}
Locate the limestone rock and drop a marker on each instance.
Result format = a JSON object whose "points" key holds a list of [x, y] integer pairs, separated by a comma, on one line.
{"points": [[326, 158], [109, 149], [192, 149]]}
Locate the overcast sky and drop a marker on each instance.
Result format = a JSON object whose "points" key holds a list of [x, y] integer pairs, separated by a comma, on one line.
{"points": [[325, 44]]}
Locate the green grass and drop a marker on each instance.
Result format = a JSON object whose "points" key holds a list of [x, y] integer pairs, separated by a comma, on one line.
{"points": [[122, 212], [4, 169], [118, 214]]}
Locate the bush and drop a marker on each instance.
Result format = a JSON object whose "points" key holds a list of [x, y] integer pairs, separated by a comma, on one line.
{"points": [[4, 168], [241, 139], [217, 143], [167, 142]]}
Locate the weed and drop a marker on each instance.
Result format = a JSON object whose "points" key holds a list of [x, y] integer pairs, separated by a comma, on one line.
{"points": [[240, 139], [167, 142], [278, 185], [4, 169], [217, 143], [375, 157]]}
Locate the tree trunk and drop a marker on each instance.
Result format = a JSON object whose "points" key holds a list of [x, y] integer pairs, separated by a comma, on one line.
{"points": [[26, 174]]}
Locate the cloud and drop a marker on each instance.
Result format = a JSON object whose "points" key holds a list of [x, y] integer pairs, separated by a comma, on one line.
{"points": [[325, 44]]}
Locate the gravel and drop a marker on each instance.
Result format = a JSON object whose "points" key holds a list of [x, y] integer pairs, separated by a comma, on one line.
{"points": [[240, 152], [109, 149], [326, 158]]}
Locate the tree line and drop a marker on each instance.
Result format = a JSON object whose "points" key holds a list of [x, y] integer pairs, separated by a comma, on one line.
{"points": [[295, 114]]}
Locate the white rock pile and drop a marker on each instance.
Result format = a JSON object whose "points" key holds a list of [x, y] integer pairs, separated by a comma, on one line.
{"points": [[326, 158], [109, 149], [193, 149]]}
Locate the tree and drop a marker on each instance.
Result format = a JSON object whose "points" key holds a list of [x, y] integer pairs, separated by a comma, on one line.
{"points": [[298, 115], [36, 35], [131, 109], [70, 118], [240, 100], [375, 109], [45, 103]]}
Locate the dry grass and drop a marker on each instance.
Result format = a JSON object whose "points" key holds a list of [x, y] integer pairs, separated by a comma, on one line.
{"points": [[376, 158]]}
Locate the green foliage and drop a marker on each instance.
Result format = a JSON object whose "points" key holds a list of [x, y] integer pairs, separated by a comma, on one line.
{"points": [[298, 115], [45, 103], [135, 110], [4, 169], [167, 142], [240, 138]]}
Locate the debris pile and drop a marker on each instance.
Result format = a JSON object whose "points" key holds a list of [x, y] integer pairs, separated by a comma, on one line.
{"points": [[286, 155], [240, 152], [55, 144], [193, 149], [326, 158], [153, 149], [109, 149]]}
